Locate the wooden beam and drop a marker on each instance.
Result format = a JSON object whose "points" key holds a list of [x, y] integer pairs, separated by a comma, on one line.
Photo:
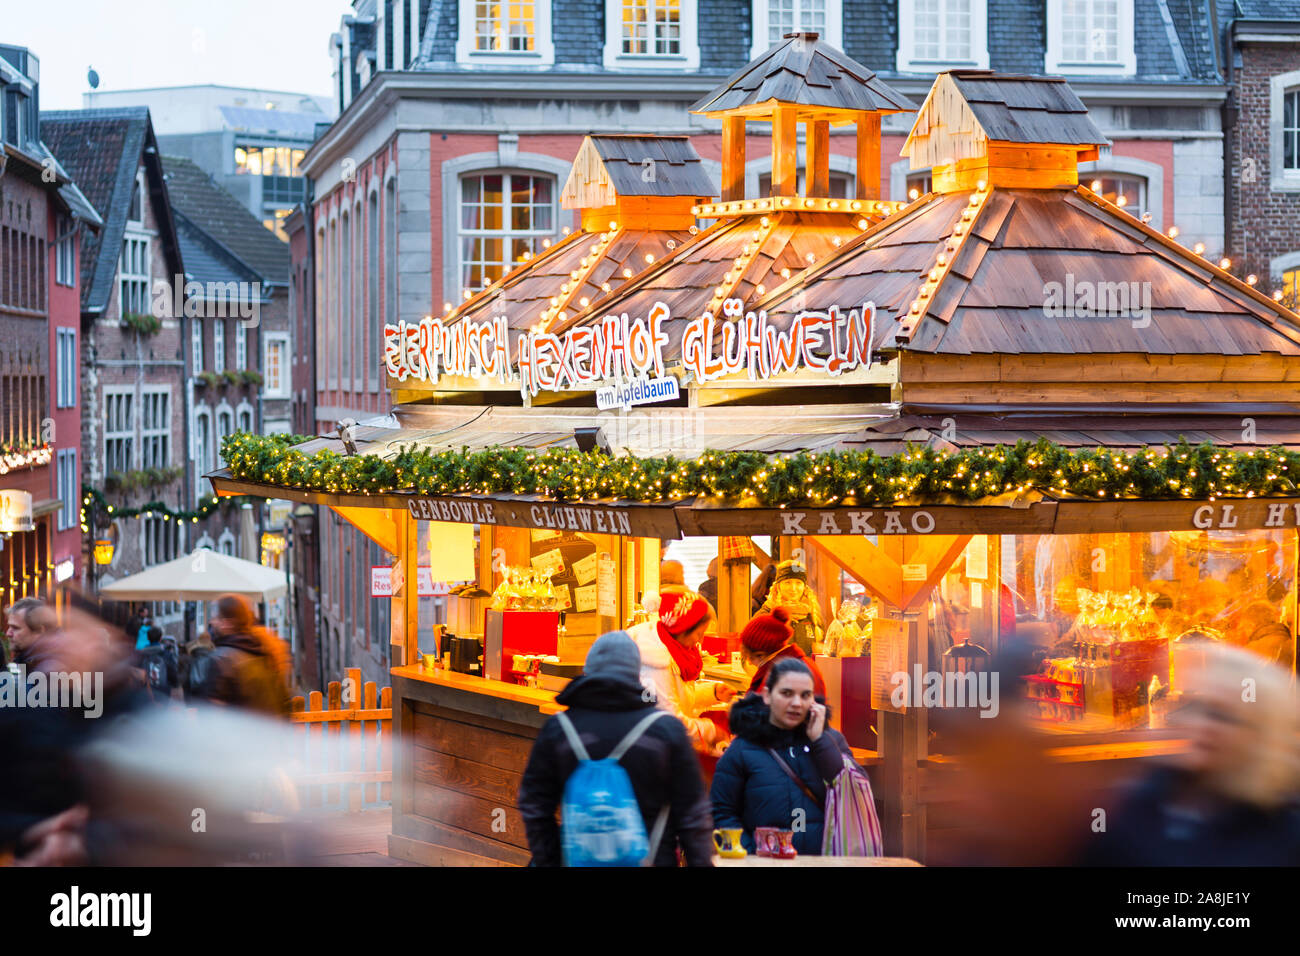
{"points": [[868, 158], [785, 151], [405, 615], [377, 524], [817, 172], [733, 158]]}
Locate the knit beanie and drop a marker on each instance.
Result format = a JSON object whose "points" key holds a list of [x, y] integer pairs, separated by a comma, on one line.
{"points": [[614, 656], [767, 633], [679, 611]]}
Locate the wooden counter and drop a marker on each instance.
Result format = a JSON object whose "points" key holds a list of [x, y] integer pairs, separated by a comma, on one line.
{"points": [[463, 745]]}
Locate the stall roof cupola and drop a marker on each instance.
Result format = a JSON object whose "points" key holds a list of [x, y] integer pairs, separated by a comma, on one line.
{"points": [[647, 182], [1011, 131], [802, 80]]}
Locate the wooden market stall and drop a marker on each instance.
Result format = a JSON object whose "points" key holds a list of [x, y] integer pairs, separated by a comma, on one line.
{"points": [[1007, 415]]}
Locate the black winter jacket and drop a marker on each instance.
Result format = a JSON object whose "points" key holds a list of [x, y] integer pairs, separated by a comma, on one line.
{"points": [[244, 673], [751, 790], [1145, 831], [662, 766]]}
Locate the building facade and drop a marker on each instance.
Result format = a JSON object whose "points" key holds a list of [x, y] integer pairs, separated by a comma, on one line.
{"points": [[458, 123], [251, 141], [133, 356], [1263, 55], [40, 312]]}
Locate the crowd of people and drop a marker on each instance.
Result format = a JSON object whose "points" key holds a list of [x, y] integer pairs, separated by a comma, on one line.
{"points": [[123, 680]]}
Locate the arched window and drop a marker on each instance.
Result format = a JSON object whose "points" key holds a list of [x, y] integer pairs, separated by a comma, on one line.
{"points": [[202, 448], [503, 214], [225, 424], [245, 419]]}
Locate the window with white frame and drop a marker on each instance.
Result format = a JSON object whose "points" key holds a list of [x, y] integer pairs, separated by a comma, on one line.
{"points": [[155, 427], [275, 365], [1127, 192], [241, 346], [162, 543], [119, 431], [219, 345], [225, 425], [65, 260], [196, 345], [244, 419], [133, 275], [202, 447], [505, 27], [938, 33], [66, 343], [1291, 130], [640, 32], [1090, 36], [69, 489], [502, 216], [773, 19]]}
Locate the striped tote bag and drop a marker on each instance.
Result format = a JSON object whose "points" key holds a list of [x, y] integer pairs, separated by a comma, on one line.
{"points": [[852, 827]]}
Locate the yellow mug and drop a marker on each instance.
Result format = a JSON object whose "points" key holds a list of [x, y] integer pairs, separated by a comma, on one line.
{"points": [[728, 843]]}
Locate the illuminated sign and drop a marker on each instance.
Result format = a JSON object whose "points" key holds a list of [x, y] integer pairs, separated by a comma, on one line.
{"points": [[619, 349], [16, 511]]}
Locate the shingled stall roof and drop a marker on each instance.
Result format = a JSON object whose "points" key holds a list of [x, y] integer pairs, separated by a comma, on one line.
{"points": [[987, 283], [645, 166], [806, 72], [227, 224], [101, 149], [1026, 109]]}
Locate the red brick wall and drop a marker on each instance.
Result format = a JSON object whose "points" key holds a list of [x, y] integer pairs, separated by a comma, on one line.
{"points": [[1271, 218]]}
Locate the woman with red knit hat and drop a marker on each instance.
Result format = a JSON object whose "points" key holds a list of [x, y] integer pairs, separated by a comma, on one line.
{"points": [[768, 638], [671, 663]]}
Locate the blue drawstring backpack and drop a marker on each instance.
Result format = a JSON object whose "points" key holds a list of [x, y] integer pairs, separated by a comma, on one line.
{"points": [[600, 821]]}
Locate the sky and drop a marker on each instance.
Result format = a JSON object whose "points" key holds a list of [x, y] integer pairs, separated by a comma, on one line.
{"points": [[278, 45]]}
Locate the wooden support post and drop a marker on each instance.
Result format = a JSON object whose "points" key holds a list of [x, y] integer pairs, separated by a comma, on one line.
{"points": [[868, 163], [733, 158], [817, 164], [405, 601], [785, 151], [733, 596]]}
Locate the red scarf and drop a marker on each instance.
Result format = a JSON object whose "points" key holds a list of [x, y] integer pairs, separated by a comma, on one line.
{"points": [[688, 659]]}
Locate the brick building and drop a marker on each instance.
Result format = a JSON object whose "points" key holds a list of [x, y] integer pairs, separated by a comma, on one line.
{"points": [[133, 363], [458, 123], [40, 395], [1262, 40]]}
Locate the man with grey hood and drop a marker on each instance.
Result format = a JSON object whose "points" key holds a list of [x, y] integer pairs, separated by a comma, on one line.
{"points": [[603, 706]]}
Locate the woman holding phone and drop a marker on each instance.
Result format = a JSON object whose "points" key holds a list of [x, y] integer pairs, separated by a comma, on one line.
{"points": [[776, 772]]}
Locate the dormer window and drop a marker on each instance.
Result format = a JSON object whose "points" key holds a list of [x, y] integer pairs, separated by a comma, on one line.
{"points": [[1090, 37], [651, 34], [937, 34], [773, 19], [136, 211], [505, 33]]}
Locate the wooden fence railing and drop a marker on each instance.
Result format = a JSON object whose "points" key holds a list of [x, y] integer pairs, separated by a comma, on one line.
{"points": [[347, 746]]}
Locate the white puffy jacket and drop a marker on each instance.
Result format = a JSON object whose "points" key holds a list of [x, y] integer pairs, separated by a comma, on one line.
{"points": [[661, 676]]}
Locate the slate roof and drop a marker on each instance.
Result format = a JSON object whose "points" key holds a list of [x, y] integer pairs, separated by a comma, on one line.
{"points": [[805, 71], [678, 171], [1027, 109], [994, 297], [1264, 9], [225, 221], [101, 149]]}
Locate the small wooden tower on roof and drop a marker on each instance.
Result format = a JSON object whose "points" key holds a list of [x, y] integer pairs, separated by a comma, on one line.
{"points": [[802, 80], [1013, 131], [645, 182]]}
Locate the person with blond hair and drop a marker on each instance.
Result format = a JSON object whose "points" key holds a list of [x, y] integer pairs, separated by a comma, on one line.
{"points": [[1230, 799]]}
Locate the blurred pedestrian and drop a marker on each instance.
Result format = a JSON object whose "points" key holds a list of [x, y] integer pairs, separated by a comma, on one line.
{"points": [[160, 664], [144, 621], [671, 664], [769, 638], [709, 589], [777, 770], [249, 665], [1231, 798], [195, 665], [672, 576], [31, 629], [604, 705]]}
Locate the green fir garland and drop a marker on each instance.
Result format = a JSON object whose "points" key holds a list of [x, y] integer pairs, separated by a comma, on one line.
{"points": [[749, 478]]}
